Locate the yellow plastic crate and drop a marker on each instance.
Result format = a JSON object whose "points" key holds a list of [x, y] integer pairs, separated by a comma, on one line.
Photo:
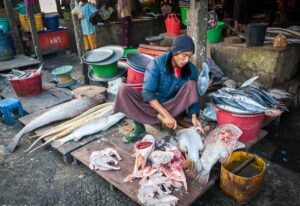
{"points": [[26, 25]]}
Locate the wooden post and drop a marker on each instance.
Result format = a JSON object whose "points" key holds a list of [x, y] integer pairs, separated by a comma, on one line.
{"points": [[79, 43], [196, 28], [34, 34], [78, 32], [13, 26], [59, 8]]}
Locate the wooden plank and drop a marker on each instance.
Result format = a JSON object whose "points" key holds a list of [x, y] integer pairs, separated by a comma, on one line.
{"points": [[113, 139], [77, 32], [160, 48], [40, 102], [18, 61]]}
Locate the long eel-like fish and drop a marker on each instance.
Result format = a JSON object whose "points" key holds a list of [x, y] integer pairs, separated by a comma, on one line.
{"points": [[59, 112]]}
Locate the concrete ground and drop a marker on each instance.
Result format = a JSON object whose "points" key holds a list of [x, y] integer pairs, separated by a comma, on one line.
{"points": [[42, 178]]}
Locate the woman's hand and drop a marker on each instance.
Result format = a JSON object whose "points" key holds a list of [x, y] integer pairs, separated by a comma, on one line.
{"points": [[197, 123], [170, 122]]}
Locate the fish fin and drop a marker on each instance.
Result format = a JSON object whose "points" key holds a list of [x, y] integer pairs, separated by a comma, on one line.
{"points": [[8, 149], [76, 139]]}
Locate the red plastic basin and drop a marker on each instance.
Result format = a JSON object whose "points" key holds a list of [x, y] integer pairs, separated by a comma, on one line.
{"points": [[30, 86], [249, 124]]}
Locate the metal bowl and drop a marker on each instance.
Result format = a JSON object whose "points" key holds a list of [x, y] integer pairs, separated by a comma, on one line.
{"points": [[117, 54], [97, 55], [154, 38], [139, 60]]}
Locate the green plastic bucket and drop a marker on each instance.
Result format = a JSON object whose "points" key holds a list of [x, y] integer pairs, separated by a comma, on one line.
{"points": [[184, 10], [21, 8], [4, 25], [127, 51], [213, 35], [106, 71]]}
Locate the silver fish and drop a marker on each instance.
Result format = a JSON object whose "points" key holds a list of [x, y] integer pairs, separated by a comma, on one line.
{"points": [[100, 124], [249, 81], [59, 112]]}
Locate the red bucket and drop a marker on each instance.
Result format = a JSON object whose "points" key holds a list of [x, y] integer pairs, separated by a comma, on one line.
{"points": [[28, 86], [134, 76], [138, 87], [250, 124]]}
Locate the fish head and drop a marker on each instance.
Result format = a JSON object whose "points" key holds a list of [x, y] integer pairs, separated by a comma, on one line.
{"points": [[193, 154]]}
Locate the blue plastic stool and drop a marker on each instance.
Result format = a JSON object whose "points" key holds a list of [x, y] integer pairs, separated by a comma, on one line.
{"points": [[7, 107]]}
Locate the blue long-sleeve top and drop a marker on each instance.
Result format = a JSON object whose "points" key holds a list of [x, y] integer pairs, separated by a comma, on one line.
{"points": [[160, 82]]}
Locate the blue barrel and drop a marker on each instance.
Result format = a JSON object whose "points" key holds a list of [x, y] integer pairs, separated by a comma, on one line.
{"points": [[51, 21], [6, 51]]}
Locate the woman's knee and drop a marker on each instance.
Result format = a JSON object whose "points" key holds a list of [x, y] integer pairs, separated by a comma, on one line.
{"points": [[123, 89]]}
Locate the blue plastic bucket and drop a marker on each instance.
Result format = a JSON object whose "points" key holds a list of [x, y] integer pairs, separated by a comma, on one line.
{"points": [[51, 21], [4, 25], [6, 51]]}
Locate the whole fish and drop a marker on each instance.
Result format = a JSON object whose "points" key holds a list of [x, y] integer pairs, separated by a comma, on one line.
{"points": [[269, 100], [229, 105], [279, 94], [59, 112], [100, 124], [249, 81], [255, 96], [218, 146], [191, 144]]}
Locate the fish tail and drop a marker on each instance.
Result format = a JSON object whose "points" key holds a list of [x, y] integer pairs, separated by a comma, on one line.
{"points": [[8, 149]]}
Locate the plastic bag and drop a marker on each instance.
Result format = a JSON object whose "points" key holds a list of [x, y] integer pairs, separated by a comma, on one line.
{"points": [[212, 20], [203, 79], [113, 86], [210, 113]]}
